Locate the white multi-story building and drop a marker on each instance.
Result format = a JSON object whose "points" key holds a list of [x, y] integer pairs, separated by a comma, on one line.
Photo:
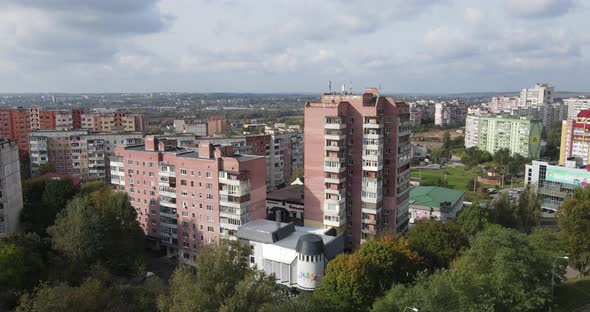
{"points": [[472, 126], [450, 113], [575, 105], [11, 197], [539, 95], [503, 103]]}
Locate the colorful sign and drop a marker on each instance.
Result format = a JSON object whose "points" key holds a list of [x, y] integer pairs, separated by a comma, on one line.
{"points": [[578, 177], [309, 276]]}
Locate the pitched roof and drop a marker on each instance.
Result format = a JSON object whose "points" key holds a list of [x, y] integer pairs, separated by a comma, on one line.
{"points": [[433, 196], [584, 113]]}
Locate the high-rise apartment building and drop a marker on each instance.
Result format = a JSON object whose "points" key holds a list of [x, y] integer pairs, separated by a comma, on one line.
{"points": [[450, 113], [357, 164], [188, 198], [77, 152], [519, 135], [539, 95], [575, 138], [576, 105], [11, 197]]}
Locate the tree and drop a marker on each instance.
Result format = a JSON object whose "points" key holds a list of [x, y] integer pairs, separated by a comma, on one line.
{"points": [[99, 227], [357, 279], [437, 243], [473, 219], [224, 281], [502, 271], [45, 168], [573, 218], [446, 140], [93, 295], [504, 212], [502, 159], [528, 210], [43, 199]]}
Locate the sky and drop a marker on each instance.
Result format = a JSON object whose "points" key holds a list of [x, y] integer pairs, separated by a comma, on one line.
{"points": [[276, 46]]}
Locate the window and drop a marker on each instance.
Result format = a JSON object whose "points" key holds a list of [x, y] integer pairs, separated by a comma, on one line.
{"points": [[209, 196], [130, 162], [184, 193], [210, 229], [209, 218], [209, 207], [209, 186], [208, 174], [185, 213], [183, 171], [183, 182]]}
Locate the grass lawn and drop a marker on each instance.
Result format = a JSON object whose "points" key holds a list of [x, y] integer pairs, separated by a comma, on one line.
{"points": [[572, 294], [457, 177]]}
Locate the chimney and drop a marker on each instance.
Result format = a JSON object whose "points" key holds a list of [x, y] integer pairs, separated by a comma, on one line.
{"points": [[150, 143], [205, 149]]}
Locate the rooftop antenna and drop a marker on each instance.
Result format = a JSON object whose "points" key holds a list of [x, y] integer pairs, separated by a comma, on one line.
{"points": [[330, 86], [344, 88], [350, 87], [379, 89]]}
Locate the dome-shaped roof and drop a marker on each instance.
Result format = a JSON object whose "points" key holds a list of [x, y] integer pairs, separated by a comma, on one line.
{"points": [[310, 245]]}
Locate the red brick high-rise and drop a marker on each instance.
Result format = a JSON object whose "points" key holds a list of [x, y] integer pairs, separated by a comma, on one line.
{"points": [[357, 164]]}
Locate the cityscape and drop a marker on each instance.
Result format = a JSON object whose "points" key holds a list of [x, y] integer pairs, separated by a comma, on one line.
{"points": [[137, 177]]}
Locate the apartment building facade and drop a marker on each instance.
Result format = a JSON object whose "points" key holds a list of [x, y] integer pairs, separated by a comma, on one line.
{"points": [[11, 197], [188, 198], [575, 138], [17, 123], [451, 113], [357, 164], [519, 135], [77, 152], [576, 105]]}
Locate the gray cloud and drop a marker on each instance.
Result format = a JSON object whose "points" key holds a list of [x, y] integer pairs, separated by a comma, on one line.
{"points": [[539, 8]]}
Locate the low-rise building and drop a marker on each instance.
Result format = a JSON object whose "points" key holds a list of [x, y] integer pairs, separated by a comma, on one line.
{"points": [[419, 152], [11, 197], [555, 183], [297, 256], [433, 202], [286, 205]]}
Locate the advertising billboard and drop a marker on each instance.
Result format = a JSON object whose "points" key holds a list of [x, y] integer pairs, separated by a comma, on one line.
{"points": [[579, 177]]}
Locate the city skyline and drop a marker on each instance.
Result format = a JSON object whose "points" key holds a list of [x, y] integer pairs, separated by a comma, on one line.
{"points": [[424, 46]]}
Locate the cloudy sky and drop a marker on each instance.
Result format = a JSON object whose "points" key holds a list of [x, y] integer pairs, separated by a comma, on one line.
{"points": [[292, 45]]}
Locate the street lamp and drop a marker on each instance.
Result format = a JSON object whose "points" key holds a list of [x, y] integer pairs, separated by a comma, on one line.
{"points": [[411, 309], [553, 278]]}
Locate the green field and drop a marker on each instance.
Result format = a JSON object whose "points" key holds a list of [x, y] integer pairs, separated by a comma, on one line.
{"points": [[457, 177], [572, 295]]}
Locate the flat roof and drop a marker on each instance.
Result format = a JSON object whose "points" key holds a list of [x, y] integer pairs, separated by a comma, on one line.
{"points": [[433, 196], [291, 193]]}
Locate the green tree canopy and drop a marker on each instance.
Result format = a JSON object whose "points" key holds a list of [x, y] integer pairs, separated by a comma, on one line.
{"points": [[358, 278], [223, 281], [99, 227], [437, 243], [43, 199], [473, 219], [574, 222]]}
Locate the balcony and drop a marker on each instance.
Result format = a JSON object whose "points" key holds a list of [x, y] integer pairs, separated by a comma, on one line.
{"points": [[369, 221], [335, 137], [372, 136], [335, 148], [369, 231], [238, 192], [168, 191], [168, 212], [334, 221], [378, 167], [334, 165], [335, 180], [231, 181], [371, 208], [233, 204], [372, 125], [334, 123]]}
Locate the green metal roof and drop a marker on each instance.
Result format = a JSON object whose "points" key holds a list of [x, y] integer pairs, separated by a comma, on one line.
{"points": [[433, 196]]}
